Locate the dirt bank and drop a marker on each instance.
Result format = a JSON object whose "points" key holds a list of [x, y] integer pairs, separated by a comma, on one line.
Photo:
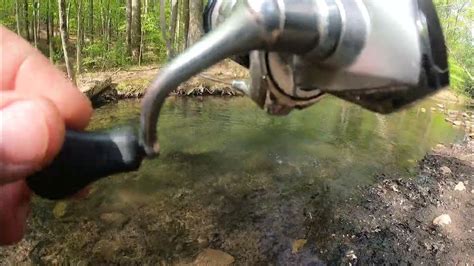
{"points": [[395, 222], [132, 82]]}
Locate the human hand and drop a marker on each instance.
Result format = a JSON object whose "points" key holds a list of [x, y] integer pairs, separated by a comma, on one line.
{"points": [[37, 103]]}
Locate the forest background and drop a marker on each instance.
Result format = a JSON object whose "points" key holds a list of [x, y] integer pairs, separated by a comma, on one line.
{"points": [[95, 35]]}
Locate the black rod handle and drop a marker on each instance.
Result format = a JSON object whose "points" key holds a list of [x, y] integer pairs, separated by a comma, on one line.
{"points": [[85, 158]]}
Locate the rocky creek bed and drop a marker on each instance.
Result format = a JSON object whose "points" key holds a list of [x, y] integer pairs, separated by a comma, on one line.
{"points": [[255, 216], [427, 219], [392, 222]]}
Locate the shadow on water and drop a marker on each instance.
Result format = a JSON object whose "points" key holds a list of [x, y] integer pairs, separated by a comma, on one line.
{"points": [[232, 178]]}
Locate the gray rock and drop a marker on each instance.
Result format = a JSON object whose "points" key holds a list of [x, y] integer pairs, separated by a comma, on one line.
{"points": [[442, 220], [445, 170]]}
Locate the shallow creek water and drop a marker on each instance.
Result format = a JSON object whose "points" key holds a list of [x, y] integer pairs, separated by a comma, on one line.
{"points": [[232, 178]]}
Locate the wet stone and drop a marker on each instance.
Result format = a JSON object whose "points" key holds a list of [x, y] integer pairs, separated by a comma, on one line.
{"points": [[60, 209], [298, 245], [114, 218], [203, 241], [212, 257], [106, 249]]}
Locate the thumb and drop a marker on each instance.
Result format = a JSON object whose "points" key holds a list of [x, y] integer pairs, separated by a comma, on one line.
{"points": [[31, 134]]}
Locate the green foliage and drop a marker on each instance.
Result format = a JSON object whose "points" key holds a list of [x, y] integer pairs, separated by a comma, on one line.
{"points": [[153, 37], [101, 51], [98, 56], [7, 15], [457, 18]]}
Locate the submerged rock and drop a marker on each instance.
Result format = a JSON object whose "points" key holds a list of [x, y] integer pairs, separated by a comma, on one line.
{"points": [[60, 209], [351, 256], [298, 245], [106, 249], [445, 170], [212, 257], [442, 220], [114, 218]]}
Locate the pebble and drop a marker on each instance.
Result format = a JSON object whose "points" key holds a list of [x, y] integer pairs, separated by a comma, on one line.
{"points": [[298, 245], [472, 191], [203, 242], [460, 187], [440, 147], [106, 249], [351, 256], [442, 220], [445, 170], [453, 112], [115, 218], [213, 257], [60, 209]]}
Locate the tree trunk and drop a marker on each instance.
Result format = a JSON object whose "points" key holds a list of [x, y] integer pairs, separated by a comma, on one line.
{"points": [[105, 22], [186, 23], [27, 23], [79, 37], [53, 16], [164, 28], [65, 37], [35, 22], [49, 31], [91, 20], [195, 21], [142, 38], [173, 23], [68, 12], [136, 29], [129, 26], [109, 29], [38, 19], [17, 17]]}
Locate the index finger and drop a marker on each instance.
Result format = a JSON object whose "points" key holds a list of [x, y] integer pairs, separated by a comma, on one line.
{"points": [[25, 70]]}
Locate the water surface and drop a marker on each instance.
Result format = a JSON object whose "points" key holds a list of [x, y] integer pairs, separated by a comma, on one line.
{"points": [[231, 177]]}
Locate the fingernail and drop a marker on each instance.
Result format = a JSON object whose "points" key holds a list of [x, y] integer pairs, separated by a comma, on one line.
{"points": [[24, 137]]}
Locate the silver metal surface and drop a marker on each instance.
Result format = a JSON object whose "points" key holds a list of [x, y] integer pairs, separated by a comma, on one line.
{"points": [[381, 54]]}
